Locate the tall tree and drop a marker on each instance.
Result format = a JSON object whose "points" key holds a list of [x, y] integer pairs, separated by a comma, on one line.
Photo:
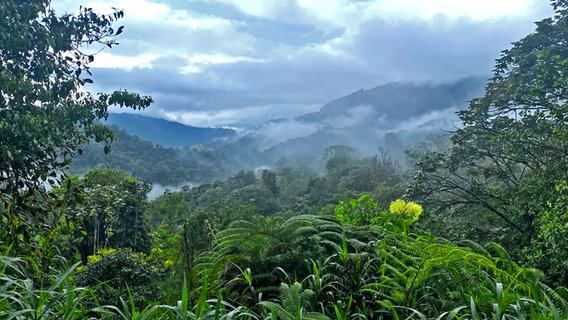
{"points": [[338, 156], [268, 179], [46, 110], [513, 147], [109, 208]]}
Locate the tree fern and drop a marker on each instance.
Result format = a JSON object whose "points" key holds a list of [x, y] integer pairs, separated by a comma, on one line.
{"points": [[294, 304], [264, 244], [419, 271]]}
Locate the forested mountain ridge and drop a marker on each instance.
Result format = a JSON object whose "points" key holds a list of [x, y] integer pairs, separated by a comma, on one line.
{"points": [[393, 117], [370, 113], [151, 162], [400, 101], [166, 133]]}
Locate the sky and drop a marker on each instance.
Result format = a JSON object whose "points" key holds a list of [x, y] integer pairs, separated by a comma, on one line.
{"points": [[238, 63]]}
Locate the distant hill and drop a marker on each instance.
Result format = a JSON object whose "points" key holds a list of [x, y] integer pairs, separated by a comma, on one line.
{"points": [[164, 132], [152, 162], [393, 117], [396, 115], [399, 101]]}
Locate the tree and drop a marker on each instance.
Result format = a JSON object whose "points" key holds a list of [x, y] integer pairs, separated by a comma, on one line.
{"points": [[46, 111], [168, 210], [338, 156], [550, 242], [505, 162], [256, 195], [242, 179], [268, 179], [108, 206]]}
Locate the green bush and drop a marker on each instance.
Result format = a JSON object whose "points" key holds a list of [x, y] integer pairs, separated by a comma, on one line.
{"points": [[112, 273]]}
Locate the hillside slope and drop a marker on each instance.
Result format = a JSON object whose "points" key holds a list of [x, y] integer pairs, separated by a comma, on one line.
{"points": [[393, 117], [164, 132]]}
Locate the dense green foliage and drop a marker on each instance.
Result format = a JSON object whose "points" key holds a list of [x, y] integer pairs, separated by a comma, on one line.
{"points": [[107, 207], [147, 161], [289, 242], [116, 273], [45, 113], [503, 166]]}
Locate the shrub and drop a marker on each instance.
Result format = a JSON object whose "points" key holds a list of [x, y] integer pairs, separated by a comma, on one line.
{"points": [[111, 273]]}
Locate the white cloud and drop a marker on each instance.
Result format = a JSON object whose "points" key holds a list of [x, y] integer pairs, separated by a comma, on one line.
{"points": [[273, 133], [474, 9], [234, 117], [154, 30], [134, 9], [347, 13], [260, 8], [197, 62], [106, 59], [227, 62], [219, 59]]}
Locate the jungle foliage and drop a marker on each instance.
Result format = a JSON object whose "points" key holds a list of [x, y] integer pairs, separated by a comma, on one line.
{"points": [[508, 162], [479, 232]]}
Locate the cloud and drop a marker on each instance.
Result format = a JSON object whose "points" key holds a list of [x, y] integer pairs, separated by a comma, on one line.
{"points": [[274, 132], [106, 59], [362, 114], [237, 62], [439, 49], [244, 117], [347, 13]]}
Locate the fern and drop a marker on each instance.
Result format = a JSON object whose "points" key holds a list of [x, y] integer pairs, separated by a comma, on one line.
{"points": [[264, 244], [294, 304], [415, 270]]}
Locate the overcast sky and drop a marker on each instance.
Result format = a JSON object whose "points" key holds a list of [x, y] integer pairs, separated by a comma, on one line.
{"points": [[239, 62]]}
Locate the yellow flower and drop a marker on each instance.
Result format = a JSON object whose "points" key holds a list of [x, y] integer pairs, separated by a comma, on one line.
{"points": [[94, 258], [409, 211], [100, 254], [168, 263], [106, 252]]}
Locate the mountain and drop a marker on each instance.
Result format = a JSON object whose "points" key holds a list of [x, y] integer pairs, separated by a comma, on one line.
{"points": [[400, 101], [148, 161], [394, 115], [164, 132]]}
